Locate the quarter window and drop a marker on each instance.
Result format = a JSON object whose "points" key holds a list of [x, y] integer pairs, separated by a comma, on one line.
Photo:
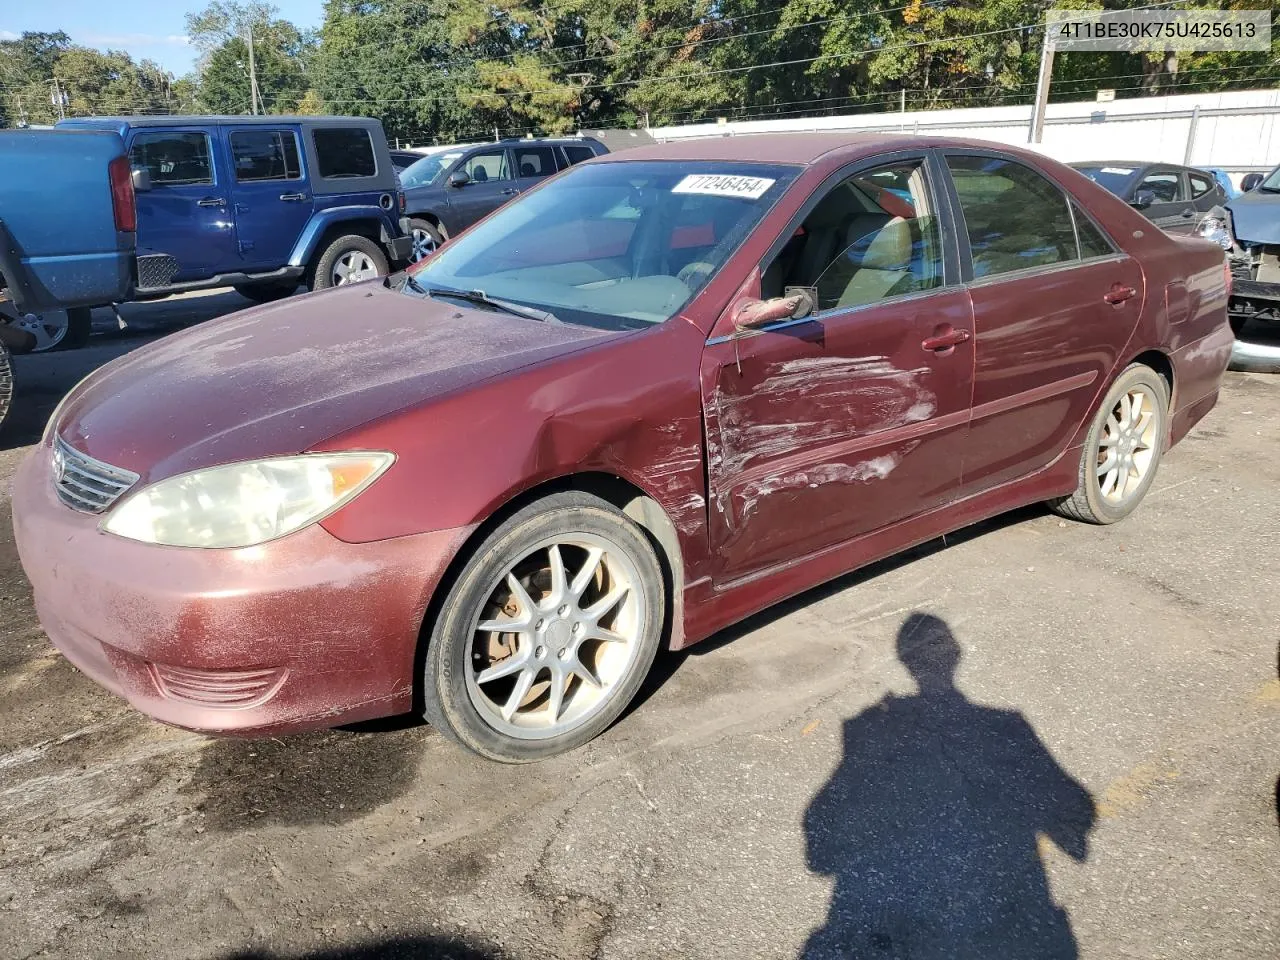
{"points": [[344, 153], [1093, 243], [576, 154], [173, 158], [534, 162], [1014, 217], [873, 236], [265, 155], [483, 167], [1166, 186]]}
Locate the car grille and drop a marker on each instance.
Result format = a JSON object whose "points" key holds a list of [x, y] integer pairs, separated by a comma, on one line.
{"points": [[84, 483]]}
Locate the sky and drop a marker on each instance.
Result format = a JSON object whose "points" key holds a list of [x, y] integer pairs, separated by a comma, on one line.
{"points": [[147, 29]]}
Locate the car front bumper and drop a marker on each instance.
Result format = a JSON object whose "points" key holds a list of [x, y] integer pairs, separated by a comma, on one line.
{"points": [[305, 632]]}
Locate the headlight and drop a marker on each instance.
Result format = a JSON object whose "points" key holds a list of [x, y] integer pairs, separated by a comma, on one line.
{"points": [[243, 504], [1211, 228]]}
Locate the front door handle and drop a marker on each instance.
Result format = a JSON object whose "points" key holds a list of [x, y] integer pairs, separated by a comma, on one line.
{"points": [[1119, 293], [293, 197], [1189, 212], [510, 192], [944, 340], [210, 202]]}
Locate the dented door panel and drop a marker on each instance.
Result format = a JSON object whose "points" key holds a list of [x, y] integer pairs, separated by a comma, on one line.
{"points": [[827, 429]]}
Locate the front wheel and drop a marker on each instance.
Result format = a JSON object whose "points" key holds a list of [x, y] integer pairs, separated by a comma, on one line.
{"points": [[1122, 450], [6, 383], [426, 239], [547, 633], [348, 259]]}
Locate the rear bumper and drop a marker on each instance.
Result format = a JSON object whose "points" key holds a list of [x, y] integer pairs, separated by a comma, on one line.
{"points": [[1197, 376], [304, 632]]}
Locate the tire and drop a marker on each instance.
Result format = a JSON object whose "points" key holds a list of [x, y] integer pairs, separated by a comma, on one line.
{"points": [[1142, 441], [425, 235], [6, 384], [350, 246], [556, 635], [79, 328], [267, 292]]}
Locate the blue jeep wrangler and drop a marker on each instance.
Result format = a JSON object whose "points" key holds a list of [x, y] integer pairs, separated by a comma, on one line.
{"points": [[261, 204]]}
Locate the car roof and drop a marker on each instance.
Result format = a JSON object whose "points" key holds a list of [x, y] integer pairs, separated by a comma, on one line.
{"points": [[168, 120]]}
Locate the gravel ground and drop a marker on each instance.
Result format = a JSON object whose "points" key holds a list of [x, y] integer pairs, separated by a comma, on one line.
{"points": [[1038, 739]]}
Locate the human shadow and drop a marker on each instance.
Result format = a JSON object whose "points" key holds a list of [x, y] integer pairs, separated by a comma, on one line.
{"points": [[931, 823]]}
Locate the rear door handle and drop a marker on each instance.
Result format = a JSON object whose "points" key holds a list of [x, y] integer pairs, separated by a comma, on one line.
{"points": [[210, 202], [1189, 212], [510, 192], [293, 196], [1119, 294], [945, 340]]}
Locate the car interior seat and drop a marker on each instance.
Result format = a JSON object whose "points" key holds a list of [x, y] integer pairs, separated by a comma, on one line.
{"points": [[480, 175]]}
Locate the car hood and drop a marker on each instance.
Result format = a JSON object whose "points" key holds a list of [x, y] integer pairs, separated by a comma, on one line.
{"points": [[1255, 217], [280, 379]]}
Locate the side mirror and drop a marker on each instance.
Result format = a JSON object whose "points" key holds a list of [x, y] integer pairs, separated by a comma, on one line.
{"points": [[1250, 181], [459, 178], [141, 179], [1142, 199], [753, 314]]}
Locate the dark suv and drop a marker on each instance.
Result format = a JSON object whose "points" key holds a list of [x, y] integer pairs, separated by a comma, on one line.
{"points": [[448, 191], [1173, 197]]}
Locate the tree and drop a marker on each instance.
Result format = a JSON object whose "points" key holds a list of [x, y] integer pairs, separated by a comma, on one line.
{"points": [[221, 32]]}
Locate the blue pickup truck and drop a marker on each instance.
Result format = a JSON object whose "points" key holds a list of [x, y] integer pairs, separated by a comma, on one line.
{"points": [[262, 204], [67, 234]]}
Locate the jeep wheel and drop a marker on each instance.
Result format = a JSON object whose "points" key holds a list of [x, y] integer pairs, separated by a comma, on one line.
{"points": [[348, 259]]}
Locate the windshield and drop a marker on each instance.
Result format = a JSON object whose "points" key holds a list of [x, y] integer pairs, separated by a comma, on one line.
{"points": [[1272, 182], [426, 171], [1116, 179], [616, 244]]}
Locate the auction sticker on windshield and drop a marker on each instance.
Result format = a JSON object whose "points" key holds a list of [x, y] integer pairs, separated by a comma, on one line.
{"points": [[724, 185]]}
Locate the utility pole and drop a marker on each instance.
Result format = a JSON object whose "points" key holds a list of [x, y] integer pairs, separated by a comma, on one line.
{"points": [[59, 100], [1042, 89], [254, 96]]}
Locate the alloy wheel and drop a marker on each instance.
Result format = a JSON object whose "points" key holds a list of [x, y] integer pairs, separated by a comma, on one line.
{"points": [[1127, 446], [556, 636], [352, 267], [49, 329], [423, 245]]}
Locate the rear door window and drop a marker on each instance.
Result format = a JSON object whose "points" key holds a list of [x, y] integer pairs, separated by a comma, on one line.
{"points": [[490, 165], [344, 153], [534, 162], [1166, 185], [1199, 185], [1014, 217], [1093, 242], [265, 155], [173, 157]]}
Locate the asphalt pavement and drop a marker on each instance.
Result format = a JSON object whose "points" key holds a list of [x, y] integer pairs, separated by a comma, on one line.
{"points": [[1035, 739]]}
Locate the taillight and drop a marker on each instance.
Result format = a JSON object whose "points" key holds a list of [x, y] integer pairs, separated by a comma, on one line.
{"points": [[403, 204], [1226, 271], [122, 203]]}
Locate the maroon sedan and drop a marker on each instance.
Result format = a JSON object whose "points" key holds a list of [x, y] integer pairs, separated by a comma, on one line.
{"points": [[658, 393]]}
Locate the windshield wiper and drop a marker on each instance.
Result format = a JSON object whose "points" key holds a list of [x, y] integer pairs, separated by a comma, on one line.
{"points": [[483, 299]]}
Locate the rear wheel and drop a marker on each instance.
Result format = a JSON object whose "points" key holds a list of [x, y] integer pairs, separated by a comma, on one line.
{"points": [[57, 329], [266, 292], [547, 633], [348, 259], [1122, 450]]}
